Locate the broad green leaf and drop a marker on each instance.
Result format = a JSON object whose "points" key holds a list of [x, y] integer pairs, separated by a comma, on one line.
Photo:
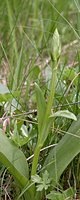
{"points": [[41, 105], [13, 159], [67, 148], [64, 113]]}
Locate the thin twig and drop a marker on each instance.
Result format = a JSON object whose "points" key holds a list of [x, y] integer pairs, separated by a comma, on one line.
{"points": [[35, 111], [6, 194], [43, 149]]}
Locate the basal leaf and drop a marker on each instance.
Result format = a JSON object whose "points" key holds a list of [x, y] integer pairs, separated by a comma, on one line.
{"points": [[67, 148], [13, 159]]}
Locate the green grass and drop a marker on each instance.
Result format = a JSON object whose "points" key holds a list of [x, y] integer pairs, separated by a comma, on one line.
{"points": [[40, 80]]}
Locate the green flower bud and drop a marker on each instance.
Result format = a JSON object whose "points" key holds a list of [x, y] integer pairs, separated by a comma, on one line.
{"points": [[56, 45]]}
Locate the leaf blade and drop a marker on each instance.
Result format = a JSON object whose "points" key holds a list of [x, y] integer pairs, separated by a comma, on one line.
{"points": [[64, 113], [41, 105], [67, 148], [13, 159]]}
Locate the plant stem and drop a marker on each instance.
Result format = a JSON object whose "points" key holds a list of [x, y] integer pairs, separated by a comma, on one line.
{"points": [[49, 106], [35, 159]]}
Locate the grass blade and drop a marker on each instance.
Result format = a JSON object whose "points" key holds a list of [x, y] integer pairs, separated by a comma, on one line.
{"points": [[41, 104]]}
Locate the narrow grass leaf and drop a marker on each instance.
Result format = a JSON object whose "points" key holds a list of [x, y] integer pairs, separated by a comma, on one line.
{"points": [[18, 72], [12, 29], [41, 105]]}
